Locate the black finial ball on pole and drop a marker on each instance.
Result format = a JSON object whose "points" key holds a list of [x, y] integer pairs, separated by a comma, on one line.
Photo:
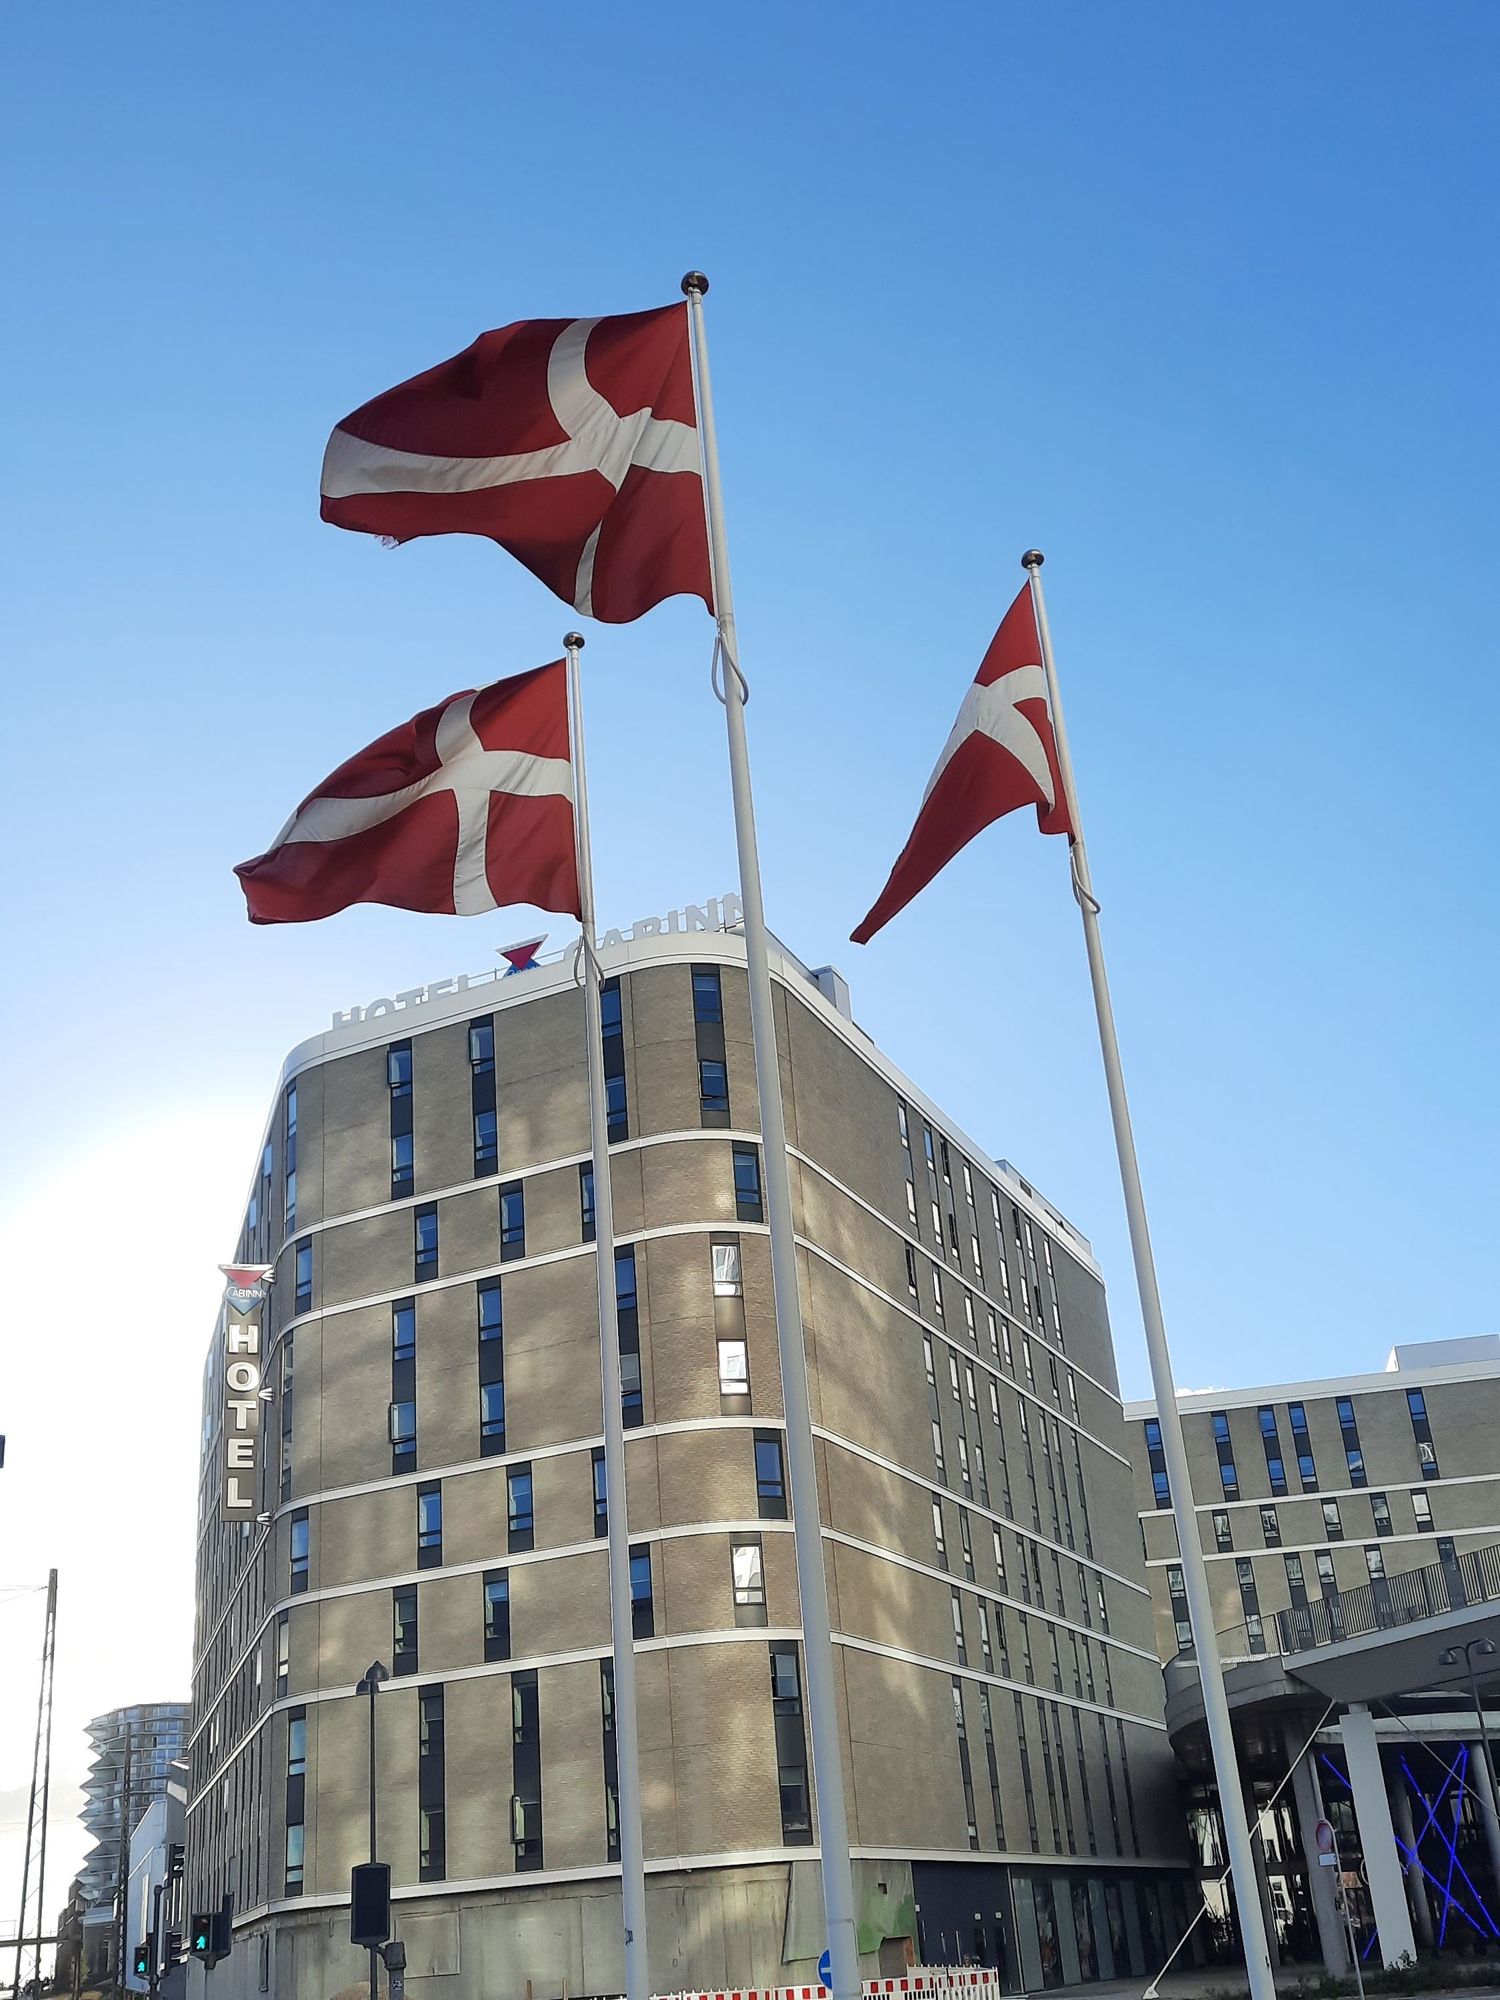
{"points": [[572, 642], [694, 282], [1033, 559]]}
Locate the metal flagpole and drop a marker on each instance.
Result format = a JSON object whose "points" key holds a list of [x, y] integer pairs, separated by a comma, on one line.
{"points": [[627, 1750], [802, 1471], [1190, 1549]]}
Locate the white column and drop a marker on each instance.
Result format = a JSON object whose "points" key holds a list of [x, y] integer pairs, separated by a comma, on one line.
{"points": [[1484, 1791], [1416, 1886], [1377, 1837], [1307, 1795]]}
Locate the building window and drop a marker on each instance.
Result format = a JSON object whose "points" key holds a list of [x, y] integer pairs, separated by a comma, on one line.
{"points": [[747, 1197], [488, 1309], [611, 1761], [1307, 1471], [1422, 1508], [586, 1200], [296, 1743], [1249, 1598], [1228, 1476], [497, 1614], [296, 1850], [612, 1026], [713, 1091], [1296, 1582], [1161, 1490], [425, 1232], [791, 1747], [747, 1575], [627, 1319], [404, 1330], [492, 1419], [432, 1855], [601, 1493], [283, 1653], [939, 1537], [1380, 1508], [403, 1437], [1349, 1430], [1416, 1402], [642, 1610], [1333, 1526], [1375, 1562], [512, 1222], [482, 1096], [1181, 1622], [430, 1526], [526, 1769], [300, 1550], [770, 1477], [289, 1157], [734, 1368], [398, 1078], [1270, 1438], [404, 1629], [965, 1770], [520, 1525], [960, 1651], [302, 1302], [708, 999], [1223, 1530], [911, 1269], [1270, 1527]]}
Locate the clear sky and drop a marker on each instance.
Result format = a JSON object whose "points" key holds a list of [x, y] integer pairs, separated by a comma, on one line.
{"points": [[1200, 300]]}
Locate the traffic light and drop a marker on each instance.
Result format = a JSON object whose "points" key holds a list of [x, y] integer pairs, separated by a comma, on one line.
{"points": [[201, 1934], [370, 1902], [171, 1951], [175, 1858], [141, 1963]]}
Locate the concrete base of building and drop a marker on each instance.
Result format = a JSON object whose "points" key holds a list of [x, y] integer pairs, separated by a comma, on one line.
{"points": [[718, 1929]]}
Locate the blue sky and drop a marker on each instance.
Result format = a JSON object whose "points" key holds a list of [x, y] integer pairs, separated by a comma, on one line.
{"points": [[1200, 300]]}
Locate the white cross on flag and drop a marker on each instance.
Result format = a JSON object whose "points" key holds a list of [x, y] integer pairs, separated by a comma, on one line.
{"points": [[466, 807], [1000, 755], [571, 443]]}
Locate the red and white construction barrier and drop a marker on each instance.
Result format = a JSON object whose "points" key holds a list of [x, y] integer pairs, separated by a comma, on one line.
{"points": [[963, 1982]]}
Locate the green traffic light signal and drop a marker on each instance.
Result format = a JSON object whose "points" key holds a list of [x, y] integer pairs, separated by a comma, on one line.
{"points": [[203, 1930], [143, 1961]]}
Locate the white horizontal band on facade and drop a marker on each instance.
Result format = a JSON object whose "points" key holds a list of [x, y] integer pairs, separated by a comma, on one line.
{"points": [[1355, 1543], [976, 1286], [986, 1513], [969, 1353], [524, 1879], [1173, 1863], [961, 1583], [1405, 1484]]}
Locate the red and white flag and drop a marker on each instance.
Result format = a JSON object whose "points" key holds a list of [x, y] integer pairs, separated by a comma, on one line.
{"points": [[466, 807], [1000, 755], [571, 443]]}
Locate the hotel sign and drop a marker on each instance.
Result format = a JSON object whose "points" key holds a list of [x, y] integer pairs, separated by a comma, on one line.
{"points": [[719, 913], [245, 1288]]}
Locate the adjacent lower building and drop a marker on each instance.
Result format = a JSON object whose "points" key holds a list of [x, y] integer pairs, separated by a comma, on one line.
{"points": [[1352, 1533], [428, 1492]]}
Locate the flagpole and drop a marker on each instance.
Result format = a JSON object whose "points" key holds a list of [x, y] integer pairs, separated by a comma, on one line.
{"points": [[1189, 1547], [802, 1470], [627, 1749]]}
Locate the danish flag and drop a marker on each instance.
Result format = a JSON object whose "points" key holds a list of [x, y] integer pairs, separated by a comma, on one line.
{"points": [[466, 807], [571, 443], [1000, 755]]}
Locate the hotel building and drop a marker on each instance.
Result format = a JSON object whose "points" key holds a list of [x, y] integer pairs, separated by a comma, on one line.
{"points": [[431, 1496]]}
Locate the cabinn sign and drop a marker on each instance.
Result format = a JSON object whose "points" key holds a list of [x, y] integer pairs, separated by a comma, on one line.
{"points": [[245, 1288], [719, 913]]}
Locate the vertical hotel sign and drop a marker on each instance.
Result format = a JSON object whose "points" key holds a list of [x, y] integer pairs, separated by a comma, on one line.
{"points": [[245, 1289]]}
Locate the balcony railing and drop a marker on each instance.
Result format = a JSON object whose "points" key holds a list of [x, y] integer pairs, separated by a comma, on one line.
{"points": [[1387, 1602]]}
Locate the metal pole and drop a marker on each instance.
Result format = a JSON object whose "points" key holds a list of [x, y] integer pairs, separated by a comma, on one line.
{"points": [[1484, 1733], [802, 1469], [153, 1973], [622, 1637], [374, 1856], [42, 1715], [122, 1875], [1190, 1550], [50, 1670]]}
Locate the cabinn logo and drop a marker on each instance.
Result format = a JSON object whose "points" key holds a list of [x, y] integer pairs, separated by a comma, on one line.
{"points": [[246, 1285]]}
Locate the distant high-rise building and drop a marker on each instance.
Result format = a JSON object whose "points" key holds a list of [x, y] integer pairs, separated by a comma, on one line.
{"points": [[429, 1493], [134, 1748]]}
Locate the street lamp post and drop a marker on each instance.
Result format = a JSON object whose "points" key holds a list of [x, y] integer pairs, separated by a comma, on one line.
{"points": [[374, 1674], [1476, 1649]]}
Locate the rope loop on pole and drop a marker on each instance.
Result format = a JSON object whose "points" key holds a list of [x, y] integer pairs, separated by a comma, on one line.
{"points": [[723, 654], [1085, 898]]}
